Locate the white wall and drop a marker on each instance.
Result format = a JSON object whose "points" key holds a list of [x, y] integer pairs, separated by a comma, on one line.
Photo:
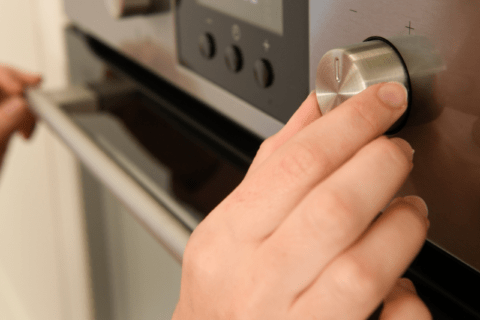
{"points": [[43, 269]]}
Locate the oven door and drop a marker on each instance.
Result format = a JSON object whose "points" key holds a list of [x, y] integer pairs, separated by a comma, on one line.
{"points": [[155, 163]]}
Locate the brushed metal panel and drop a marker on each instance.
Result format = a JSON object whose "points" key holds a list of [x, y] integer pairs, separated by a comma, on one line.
{"points": [[447, 158]]}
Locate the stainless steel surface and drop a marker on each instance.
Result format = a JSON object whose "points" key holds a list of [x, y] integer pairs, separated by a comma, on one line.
{"points": [[446, 169], [345, 72], [425, 65], [122, 8], [155, 217]]}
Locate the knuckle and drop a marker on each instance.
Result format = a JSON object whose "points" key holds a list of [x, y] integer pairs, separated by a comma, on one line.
{"points": [[191, 254], [301, 160], [355, 281], [417, 223], [267, 146], [393, 153], [246, 308], [368, 119], [253, 295], [336, 217], [198, 256]]}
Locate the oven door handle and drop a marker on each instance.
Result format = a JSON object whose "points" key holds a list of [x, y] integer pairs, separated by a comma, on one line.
{"points": [[156, 218]]}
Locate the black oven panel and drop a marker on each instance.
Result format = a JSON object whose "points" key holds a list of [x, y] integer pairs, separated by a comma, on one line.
{"points": [[257, 50]]}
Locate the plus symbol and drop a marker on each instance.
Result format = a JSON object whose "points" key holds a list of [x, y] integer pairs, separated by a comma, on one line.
{"points": [[409, 27]]}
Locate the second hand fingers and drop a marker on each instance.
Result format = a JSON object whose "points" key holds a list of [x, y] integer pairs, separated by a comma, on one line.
{"points": [[27, 126], [12, 114], [26, 78], [9, 83]]}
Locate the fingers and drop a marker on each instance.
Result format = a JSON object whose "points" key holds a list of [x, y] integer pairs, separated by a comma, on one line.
{"points": [[334, 214], [14, 82], [27, 126], [403, 303], [357, 280], [13, 113], [306, 114], [282, 180], [9, 83], [28, 79]]}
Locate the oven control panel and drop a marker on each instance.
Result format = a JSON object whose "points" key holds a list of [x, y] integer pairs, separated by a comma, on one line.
{"points": [[256, 50]]}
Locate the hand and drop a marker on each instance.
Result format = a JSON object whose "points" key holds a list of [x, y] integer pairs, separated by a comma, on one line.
{"points": [[14, 113], [301, 237]]}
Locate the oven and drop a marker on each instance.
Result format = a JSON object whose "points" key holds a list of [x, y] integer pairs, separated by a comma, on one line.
{"points": [[169, 101]]}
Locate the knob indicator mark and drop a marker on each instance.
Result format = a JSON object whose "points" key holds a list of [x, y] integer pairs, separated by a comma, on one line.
{"points": [[337, 70]]}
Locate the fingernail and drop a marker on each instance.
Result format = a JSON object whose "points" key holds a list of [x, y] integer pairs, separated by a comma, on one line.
{"points": [[418, 203], [393, 94], [39, 81], [405, 146], [407, 284], [12, 106], [395, 200]]}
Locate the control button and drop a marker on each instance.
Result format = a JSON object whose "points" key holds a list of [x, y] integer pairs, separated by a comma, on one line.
{"points": [[206, 44], [263, 73], [233, 58]]}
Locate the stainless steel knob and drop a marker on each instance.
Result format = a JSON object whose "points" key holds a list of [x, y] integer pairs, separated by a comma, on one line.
{"points": [[410, 60], [344, 72], [123, 8]]}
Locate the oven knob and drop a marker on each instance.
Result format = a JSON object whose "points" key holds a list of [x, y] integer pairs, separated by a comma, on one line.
{"points": [[123, 8], [233, 58], [206, 45], [410, 60], [344, 72], [263, 73]]}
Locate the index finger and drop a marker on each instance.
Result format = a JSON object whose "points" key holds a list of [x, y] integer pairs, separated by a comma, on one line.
{"points": [[13, 82], [26, 78], [304, 116], [283, 179]]}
